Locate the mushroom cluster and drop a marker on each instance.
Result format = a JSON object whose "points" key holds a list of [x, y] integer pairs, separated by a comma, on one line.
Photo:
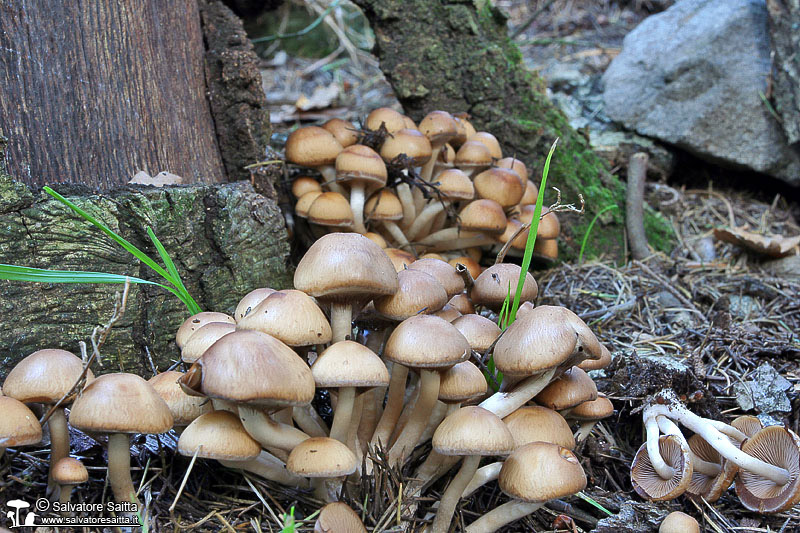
{"points": [[441, 188], [763, 461], [396, 348]]}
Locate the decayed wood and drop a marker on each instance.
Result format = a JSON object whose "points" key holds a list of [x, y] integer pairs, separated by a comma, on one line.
{"points": [[784, 24], [90, 92]]}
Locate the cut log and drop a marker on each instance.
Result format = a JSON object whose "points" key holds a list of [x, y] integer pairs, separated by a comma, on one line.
{"points": [[456, 56]]}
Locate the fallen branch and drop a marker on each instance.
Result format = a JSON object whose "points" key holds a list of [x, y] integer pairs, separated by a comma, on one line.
{"points": [[634, 205]]}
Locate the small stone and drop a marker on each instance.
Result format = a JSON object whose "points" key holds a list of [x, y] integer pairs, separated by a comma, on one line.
{"points": [[765, 392]]}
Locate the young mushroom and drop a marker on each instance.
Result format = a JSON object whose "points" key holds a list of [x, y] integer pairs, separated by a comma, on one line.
{"points": [[678, 522], [314, 147], [67, 473], [338, 517], [360, 167], [322, 459]]}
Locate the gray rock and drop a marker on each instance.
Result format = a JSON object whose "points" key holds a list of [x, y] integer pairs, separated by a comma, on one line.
{"points": [[691, 76], [765, 392]]}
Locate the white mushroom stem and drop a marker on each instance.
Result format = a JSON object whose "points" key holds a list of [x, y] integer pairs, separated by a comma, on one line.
{"points": [[449, 500], [653, 450], [373, 408], [669, 427], [343, 414], [407, 201], [455, 239], [482, 476], [427, 169], [425, 217], [357, 206], [59, 441], [329, 174], [394, 406], [504, 403], [677, 412], [407, 440], [440, 412], [397, 234], [584, 430], [119, 468], [309, 421], [502, 515], [269, 467], [268, 432], [341, 321]]}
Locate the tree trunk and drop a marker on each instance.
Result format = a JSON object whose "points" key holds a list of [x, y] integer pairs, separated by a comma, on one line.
{"points": [[784, 21], [91, 92], [456, 56]]}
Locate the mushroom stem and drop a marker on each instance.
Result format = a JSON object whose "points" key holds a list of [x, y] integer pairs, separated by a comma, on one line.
{"points": [[424, 218], [59, 442], [502, 515], [698, 465], [309, 421], [326, 489], [396, 233], [449, 500], [584, 430], [343, 414], [341, 321], [407, 440], [427, 169], [653, 451], [357, 206], [677, 412], [407, 201], [119, 468], [394, 406], [482, 476], [269, 467], [268, 432], [504, 403]]}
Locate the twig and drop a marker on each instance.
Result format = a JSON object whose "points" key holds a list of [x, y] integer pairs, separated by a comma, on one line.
{"points": [[463, 271], [608, 312], [525, 25], [634, 205]]}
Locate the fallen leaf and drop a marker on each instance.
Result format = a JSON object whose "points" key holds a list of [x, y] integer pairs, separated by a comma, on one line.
{"points": [[771, 245], [159, 180], [321, 98]]}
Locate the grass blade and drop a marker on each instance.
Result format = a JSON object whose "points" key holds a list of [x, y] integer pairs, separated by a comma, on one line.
{"points": [[194, 308]]}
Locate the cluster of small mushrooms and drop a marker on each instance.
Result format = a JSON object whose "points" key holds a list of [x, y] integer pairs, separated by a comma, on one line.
{"points": [[245, 399], [441, 188]]}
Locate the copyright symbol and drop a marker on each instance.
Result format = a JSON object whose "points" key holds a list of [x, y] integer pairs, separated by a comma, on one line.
{"points": [[42, 504]]}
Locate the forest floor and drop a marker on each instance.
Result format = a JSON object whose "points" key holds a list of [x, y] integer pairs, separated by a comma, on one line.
{"points": [[717, 324]]}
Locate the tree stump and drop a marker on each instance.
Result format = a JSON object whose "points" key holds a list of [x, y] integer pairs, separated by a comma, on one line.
{"points": [[456, 55]]}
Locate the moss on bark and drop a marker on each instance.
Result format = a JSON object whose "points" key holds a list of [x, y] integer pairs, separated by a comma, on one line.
{"points": [[456, 55]]}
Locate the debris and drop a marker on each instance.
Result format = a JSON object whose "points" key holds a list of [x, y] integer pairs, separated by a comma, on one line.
{"points": [[159, 180], [768, 244], [765, 392]]}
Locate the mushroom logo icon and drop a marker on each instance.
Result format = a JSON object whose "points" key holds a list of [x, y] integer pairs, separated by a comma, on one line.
{"points": [[13, 516]]}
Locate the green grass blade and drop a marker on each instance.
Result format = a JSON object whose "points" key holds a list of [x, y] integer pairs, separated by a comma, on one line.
{"points": [[133, 250], [589, 229], [194, 308], [526, 259], [590, 501]]}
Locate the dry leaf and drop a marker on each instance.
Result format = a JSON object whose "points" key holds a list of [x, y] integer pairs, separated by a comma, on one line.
{"points": [[771, 245], [159, 180], [321, 98]]}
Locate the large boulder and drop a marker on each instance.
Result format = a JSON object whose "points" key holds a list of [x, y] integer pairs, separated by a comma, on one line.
{"points": [[694, 76]]}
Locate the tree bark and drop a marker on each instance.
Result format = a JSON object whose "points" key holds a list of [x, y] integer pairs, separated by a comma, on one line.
{"points": [[784, 21], [455, 55], [91, 92]]}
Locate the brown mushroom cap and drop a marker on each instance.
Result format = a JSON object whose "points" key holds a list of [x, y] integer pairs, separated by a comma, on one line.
{"points": [[539, 424], [195, 322], [343, 131], [337, 517], [426, 341], [472, 431], [18, 425], [747, 424], [383, 205], [646, 481], [203, 338], [321, 457], [478, 330], [255, 368], [545, 337], [44, 376], [549, 226], [448, 312], [218, 435], [349, 364], [710, 487], [412, 143], [591, 410], [483, 215], [502, 185], [492, 286], [360, 163], [572, 388], [455, 185], [473, 155], [419, 292], [517, 166], [462, 304], [596, 364], [292, 317], [445, 274], [304, 184], [303, 204], [472, 265], [331, 209], [541, 471], [530, 195], [490, 142], [400, 258], [345, 267], [69, 471], [120, 403], [184, 408], [377, 239], [464, 130], [250, 300], [546, 249], [678, 522], [392, 120], [462, 382], [439, 127], [780, 447], [312, 146]]}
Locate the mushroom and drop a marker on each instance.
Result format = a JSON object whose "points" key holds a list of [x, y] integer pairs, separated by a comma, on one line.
{"points": [[389, 118], [184, 408], [570, 389], [481, 220], [444, 273], [118, 405], [439, 127], [651, 484], [343, 131], [710, 484], [589, 413], [472, 157], [495, 283], [338, 517], [360, 166], [67, 473], [314, 147], [251, 299], [203, 338], [490, 142], [533, 474], [471, 432], [18, 426], [302, 185], [332, 210], [345, 269], [416, 147], [480, 332], [461, 301], [47, 376], [778, 446], [678, 522], [195, 322], [502, 185], [321, 459], [385, 208], [454, 186]]}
